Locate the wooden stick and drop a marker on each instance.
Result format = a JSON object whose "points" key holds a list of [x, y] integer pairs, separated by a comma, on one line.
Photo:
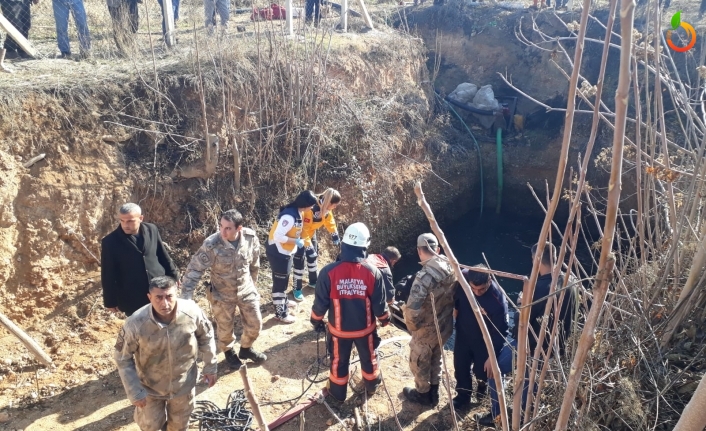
{"points": [[252, 399], [693, 418], [421, 201], [607, 260], [358, 419], [528, 289], [26, 340], [447, 382], [495, 273], [366, 15], [17, 37]]}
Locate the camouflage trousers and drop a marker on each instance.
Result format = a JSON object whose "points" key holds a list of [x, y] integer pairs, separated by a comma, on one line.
{"points": [[175, 412], [224, 315], [425, 360]]}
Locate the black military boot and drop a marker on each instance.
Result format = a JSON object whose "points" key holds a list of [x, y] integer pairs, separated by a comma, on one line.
{"points": [[462, 401], [232, 359], [481, 391], [434, 391], [252, 354], [416, 397]]}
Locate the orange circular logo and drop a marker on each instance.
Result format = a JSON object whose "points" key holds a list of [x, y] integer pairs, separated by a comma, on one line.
{"points": [[690, 33]]}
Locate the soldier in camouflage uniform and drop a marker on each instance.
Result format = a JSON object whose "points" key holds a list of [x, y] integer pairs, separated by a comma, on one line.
{"points": [[233, 254], [156, 355], [438, 278]]}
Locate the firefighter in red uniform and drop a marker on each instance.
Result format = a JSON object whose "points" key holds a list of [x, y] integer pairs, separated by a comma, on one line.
{"points": [[384, 262], [352, 292]]}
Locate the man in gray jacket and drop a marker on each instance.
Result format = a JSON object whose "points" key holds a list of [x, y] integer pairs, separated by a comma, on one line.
{"points": [[233, 255], [156, 355]]}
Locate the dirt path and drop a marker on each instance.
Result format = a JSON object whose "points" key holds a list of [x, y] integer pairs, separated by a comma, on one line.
{"points": [[83, 390]]}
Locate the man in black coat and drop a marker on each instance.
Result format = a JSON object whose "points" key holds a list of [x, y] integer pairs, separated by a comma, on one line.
{"points": [[131, 256]]}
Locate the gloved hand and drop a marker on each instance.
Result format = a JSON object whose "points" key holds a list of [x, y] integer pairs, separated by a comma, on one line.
{"points": [[335, 239], [385, 320], [299, 242], [319, 325]]}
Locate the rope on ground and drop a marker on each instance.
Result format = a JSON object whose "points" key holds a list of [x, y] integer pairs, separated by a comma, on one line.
{"points": [[235, 417]]}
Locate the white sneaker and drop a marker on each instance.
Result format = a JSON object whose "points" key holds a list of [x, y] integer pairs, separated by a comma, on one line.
{"points": [[286, 319]]}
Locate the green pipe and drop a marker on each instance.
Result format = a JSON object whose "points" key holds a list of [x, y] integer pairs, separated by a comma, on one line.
{"points": [[480, 160], [499, 151]]}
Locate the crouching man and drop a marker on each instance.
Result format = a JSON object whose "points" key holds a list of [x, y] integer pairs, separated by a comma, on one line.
{"points": [[352, 292], [156, 355]]}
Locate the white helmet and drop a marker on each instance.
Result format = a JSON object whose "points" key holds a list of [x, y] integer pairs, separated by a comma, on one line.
{"points": [[357, 235]]}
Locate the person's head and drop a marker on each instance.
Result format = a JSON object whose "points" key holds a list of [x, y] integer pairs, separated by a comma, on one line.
{"points": [[304, 200], [329, 200], [130, 216], [163, 295], [548, 255], [427, 246], [392, 255], [479, 281], [230, 225], [357, 235]]}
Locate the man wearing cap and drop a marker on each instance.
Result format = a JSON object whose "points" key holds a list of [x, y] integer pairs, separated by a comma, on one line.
{"points": [[437, 278]]}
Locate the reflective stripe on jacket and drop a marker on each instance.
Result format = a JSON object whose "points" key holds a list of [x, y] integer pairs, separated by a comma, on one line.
{"points": [[352, 292], [312, 221], [294, 232]]}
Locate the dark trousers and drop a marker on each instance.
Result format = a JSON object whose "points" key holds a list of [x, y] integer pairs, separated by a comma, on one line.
{"points": [[468, 356], [281, 265], [311, 254], [126, 20], [340, 349], [18, 13], [313, 8]]}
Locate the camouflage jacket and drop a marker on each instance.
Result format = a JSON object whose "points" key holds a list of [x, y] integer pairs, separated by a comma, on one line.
{"points": [[233, 272], [160, 360], [437, 277]]}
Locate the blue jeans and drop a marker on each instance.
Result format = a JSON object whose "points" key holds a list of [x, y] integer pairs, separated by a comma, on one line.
{"points": [[505, 365], [62, 8], [175, 7], [213, 6]]}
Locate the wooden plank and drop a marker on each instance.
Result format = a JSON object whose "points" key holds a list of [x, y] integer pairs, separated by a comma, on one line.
{"points": [[15, 34], [289, 16], [169, 37], [366, 15], [26, 339]]}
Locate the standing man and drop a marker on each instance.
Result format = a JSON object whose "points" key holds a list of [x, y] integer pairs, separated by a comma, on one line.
{"points": [[470, 352], [18, 14], [436, 277], [566, 316], [539, 300], [131, 256], [156, 354], [233, 254], [352, 292], [62, 9], [384, 262], [213, 7], [126, 20]]}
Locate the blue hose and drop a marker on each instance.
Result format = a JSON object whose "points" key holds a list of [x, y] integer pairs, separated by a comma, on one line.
{"points": [[480, 160]]}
